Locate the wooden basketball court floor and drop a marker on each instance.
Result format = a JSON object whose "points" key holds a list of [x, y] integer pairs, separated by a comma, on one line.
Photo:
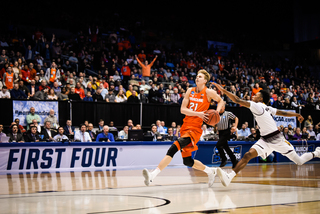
{"points": [[259, 188]]}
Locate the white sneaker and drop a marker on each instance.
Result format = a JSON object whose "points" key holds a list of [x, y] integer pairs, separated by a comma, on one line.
{"points": [[147, 177], [317, 152], [224, 177], [211, 177]]}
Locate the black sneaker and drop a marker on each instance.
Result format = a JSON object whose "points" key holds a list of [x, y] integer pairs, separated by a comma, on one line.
{"points": [[223, 163]]}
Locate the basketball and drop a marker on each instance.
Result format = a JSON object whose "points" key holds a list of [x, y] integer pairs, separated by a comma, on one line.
{"points": [[214, 117]]}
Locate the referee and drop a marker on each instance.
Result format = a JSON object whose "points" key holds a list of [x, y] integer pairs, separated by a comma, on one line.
{"points": [[224, 128]]}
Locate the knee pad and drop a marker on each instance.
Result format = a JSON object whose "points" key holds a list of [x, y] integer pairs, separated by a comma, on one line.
{"points": [[172, 150], [188, 161], [184, 142]]}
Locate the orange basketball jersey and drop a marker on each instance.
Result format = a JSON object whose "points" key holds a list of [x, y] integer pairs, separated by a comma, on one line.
{"points": [[197, 102], [191, 126]]}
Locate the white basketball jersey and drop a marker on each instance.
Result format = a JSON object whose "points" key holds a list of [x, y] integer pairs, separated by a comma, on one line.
{"points": [[264, 117]]}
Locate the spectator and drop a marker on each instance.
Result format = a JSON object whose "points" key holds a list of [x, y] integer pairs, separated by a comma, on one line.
{"points": [[145, 87], [92, 134], [101, 124], [308, 121], [297, 135], [32, 116], [88, 97], [305, 134], [97, 96], [255, 89], [133, 98], [175, 96], [63, 95], [33, 135], [20, 127], [82, 135], [312, 134], [16, 93], [170, 136], [160, 128], [52, 119], [110, 97], [154, 133], [162, 123], [286, 133], [29, 52], [295, 104], [146, 68], [121, 97], [105, 134], [73, 95], [123, 134], [33, 88], [60, 136], [254, 135], [14, 136], [52, 73], [103, 91], [47, 132], [36, 124], [130, 124], [52, 95], [68, 129], [4, 93], [167, 97], [8, 78], [79, 90], [2, 134], [243, 132]]}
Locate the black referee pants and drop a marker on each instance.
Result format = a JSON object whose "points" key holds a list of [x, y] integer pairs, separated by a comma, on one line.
{"points": [[222, 145]]}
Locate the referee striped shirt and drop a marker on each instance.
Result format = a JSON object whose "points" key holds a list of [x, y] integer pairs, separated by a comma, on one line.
{"points": [[224, 120]]}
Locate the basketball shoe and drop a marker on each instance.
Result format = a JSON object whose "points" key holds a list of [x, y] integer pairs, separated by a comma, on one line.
{"points": [[317, 152], [224, 177], [212, 176], [147, 177]]}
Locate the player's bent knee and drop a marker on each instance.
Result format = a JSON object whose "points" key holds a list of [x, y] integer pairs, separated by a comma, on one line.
{"points": [[248, 156], [188, 161], [172, 150]]}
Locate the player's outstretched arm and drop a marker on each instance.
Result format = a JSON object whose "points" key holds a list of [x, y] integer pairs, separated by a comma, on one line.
{"points": [[233, 97], [290, 114]]}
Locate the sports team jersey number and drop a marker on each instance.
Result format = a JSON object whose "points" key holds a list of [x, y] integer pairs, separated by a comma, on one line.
{"points": [[193, 106]]}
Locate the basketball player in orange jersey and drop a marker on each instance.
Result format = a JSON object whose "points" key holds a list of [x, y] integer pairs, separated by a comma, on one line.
{"points": [[195, 103]]}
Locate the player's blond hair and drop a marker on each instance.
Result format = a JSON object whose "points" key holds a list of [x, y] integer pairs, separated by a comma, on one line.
{"points": [[205, 73]]}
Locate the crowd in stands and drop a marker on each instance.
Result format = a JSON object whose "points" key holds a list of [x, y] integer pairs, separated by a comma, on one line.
{"points": [[121, 66]]}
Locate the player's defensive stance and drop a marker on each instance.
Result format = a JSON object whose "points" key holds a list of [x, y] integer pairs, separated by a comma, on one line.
{"points": [[195, 103], [271, 138]]}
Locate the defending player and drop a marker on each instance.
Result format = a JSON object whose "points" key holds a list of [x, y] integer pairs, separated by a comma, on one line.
{"points": [[195, 103], [271, 138]]}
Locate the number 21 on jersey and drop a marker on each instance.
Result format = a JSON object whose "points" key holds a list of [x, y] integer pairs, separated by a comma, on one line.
{"points": [[193, 106]]}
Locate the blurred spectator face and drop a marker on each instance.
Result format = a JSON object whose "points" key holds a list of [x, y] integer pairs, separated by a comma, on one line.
{"points": [[170, 131], [32, 110], [1, 128], [47, 125], [125, 129], [61, 130], [130, 123], [90, 126], [68, 122], [16, 86], [83, 128], [14, 129], [154, 129], [17, 121], [73, 90], [35, 122], [33, 129], [101, 123], [105, 130], [138, 126]]}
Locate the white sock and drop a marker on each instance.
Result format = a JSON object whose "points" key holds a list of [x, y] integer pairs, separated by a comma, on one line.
{"points": [[207, 170], [155, 172], [299, 160], [232, 174]]}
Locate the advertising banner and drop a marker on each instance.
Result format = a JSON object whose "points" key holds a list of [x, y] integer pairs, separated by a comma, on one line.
{"points": [[22, 108]]}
